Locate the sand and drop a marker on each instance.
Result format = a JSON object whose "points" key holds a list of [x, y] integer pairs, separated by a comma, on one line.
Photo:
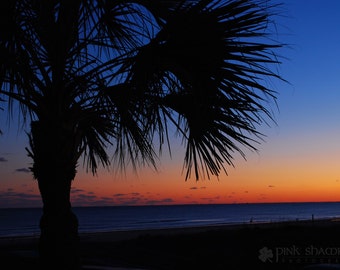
{"points": [[284, 245]]}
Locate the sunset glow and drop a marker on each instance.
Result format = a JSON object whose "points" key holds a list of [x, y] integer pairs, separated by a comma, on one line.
{"points": [[298, 162]]}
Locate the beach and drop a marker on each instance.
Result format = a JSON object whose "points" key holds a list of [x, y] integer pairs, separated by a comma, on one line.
{"points": [[276, 245]]}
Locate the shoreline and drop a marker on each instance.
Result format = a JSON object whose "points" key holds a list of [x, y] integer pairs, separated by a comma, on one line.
{"points": [[128, 234], [185, 229], [222, 246]]}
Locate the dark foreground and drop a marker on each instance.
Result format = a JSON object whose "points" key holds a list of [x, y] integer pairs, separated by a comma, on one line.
{"points": [[287, 245]]}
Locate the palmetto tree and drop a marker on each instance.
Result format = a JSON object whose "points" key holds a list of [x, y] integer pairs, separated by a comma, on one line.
{"points": [[92, 74]]}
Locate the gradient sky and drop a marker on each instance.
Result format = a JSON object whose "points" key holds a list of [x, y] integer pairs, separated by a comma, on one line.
{"points": [[299, 160]]}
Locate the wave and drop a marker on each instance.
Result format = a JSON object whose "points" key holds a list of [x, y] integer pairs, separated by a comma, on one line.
{"points": [[24, 222]]}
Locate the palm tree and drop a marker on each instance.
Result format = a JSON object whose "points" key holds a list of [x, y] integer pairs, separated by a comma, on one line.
{"points": [[90, 74]]}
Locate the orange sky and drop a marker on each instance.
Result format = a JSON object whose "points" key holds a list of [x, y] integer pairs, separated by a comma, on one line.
{"points": [[296, 174], [305, 175]]}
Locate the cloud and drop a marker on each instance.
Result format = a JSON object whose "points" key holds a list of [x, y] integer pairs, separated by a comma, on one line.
{"points": [[155, 202], [271, 186], [2, 159], [81, 197], [108, 199], [10, 198], [103, 201], [134, 201], [87, 197], [119, 195], [23, 170], [76, 190], [208, 199], [168, 200], [195, 188]]}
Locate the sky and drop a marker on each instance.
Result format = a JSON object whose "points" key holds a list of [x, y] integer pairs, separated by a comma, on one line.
{"points": [[299, 161]]}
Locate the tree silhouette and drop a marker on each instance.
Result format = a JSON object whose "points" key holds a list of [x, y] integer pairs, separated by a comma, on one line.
{"points": [[92, 74]]}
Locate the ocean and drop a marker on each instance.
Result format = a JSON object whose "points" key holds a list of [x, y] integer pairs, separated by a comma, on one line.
{"points": [[25, 221]]}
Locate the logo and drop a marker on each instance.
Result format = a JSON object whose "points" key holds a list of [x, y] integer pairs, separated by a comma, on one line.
{"points": [[266, 254], [296, 254]]}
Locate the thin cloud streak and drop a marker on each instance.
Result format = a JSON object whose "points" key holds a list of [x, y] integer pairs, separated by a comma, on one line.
{"points": [[10, 198], [23, 170]]}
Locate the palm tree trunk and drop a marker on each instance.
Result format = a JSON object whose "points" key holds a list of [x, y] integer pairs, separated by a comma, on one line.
{"points": [[54, 167], [59, 241]]}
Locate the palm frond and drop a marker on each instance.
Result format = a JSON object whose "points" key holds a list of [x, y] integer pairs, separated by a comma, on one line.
{"points": [[130, 137], [212, 60], [122, 72], [93, 132]]}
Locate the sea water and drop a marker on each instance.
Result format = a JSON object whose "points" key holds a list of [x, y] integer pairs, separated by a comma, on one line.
{"points": [[25, 221]]}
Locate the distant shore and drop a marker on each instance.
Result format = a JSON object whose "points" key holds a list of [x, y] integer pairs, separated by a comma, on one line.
{"points": [[274, 245]]}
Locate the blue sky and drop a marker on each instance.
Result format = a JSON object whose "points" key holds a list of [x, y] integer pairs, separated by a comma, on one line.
{"points": [[309, 111]]}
